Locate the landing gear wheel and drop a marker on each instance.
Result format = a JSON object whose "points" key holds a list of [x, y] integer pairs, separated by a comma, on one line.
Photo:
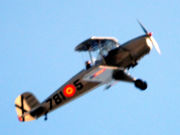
{"points": [[140, 84]]}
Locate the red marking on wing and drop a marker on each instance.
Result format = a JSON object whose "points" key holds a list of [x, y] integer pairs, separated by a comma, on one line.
{"points": [[99, 72]]}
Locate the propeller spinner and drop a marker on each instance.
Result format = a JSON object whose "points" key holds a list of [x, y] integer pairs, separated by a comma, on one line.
{"points": [[149, 34]]}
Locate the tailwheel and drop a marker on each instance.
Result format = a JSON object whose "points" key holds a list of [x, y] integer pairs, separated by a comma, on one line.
{"points": [[142, 85], [45, 118]]}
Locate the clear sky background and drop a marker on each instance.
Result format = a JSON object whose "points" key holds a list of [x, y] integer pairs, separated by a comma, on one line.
{"points": [[37, 40]]}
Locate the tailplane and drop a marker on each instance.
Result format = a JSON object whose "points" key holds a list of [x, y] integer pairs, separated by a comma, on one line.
{"points": [[24, 103]]}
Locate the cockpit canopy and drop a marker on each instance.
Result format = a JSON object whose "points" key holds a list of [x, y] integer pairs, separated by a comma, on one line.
{"points": [[100, 46], [95, 43]]}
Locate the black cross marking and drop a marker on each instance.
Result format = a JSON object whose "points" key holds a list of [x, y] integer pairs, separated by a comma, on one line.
{"points": [[21, 107]]}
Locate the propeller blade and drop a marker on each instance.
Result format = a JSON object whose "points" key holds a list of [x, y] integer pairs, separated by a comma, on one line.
{"points": [[142, 26], [156, 46], [149, 34]]}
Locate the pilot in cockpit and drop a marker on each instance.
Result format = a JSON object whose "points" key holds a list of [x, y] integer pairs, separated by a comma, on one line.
{"points": [[88, 64]]}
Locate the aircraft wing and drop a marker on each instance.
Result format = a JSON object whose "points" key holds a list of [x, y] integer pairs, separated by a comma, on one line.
{"points": [[101, 74]]}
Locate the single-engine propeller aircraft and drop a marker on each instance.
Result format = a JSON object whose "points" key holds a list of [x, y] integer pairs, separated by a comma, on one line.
{"points": [[110, 66]]}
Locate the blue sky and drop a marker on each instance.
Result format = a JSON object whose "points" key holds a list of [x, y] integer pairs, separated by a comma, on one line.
{"points": [[37, 41]]}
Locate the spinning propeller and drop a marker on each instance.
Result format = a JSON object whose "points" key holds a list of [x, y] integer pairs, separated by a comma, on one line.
{"points": [[149, 34]]}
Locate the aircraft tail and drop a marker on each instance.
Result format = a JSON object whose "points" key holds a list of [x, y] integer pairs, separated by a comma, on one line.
{"points": [[24, 103]]}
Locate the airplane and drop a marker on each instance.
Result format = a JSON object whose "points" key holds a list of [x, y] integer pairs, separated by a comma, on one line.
{"points": [[110, 66]]}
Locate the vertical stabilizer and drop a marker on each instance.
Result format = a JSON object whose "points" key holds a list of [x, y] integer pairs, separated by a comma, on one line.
{"points": [[24, 103]]}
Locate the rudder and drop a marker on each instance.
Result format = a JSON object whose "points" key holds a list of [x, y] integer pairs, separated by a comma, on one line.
{"points": [[25, 103]]}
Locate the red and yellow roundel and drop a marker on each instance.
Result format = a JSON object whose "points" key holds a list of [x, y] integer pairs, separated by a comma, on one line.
{"points": [[69, 90]]}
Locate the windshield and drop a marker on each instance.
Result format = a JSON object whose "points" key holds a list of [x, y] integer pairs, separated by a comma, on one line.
{"points": [[107, 46]]}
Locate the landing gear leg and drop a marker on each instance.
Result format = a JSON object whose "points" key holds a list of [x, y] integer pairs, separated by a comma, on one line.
{"points": [[123, 76]]}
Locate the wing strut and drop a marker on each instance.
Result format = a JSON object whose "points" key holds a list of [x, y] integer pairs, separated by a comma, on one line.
{"points": [[90, 55]]}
